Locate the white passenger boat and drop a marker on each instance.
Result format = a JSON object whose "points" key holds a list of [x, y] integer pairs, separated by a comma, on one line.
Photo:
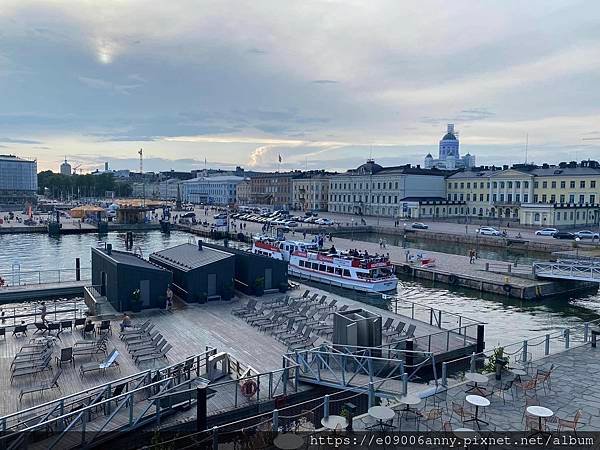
{"points": [[352, 270]]}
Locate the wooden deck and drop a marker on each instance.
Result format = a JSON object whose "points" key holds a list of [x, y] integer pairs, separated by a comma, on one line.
{"points": [[189, 329]]}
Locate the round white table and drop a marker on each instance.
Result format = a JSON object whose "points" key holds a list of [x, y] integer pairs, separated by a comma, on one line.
{"points": [[410, 400], [477, 401], [288, 441], [476, 379], [383, 414], [540, 412], [334, 422], [519, 373]]}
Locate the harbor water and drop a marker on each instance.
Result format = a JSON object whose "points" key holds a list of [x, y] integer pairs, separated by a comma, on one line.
{"points": [[508, 319]]}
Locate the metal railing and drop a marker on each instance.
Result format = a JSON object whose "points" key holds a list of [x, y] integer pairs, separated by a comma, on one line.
{"points": [[568, 270], [55, 311], [68, 408], [33, 277], [522, 352]]}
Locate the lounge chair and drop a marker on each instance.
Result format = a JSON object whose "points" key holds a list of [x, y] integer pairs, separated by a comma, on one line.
{"points": [[20, 329], [91, 342], [91, 350], [289, 327], [250, 306], [110, 361], [44, 386], [54, 326], [136, 329], [394, 331], [327, 307], [32, 362], [138, 334], [300, 338], [304, 295], [292, 334], [410, 332], [104, 326], [87, 329], [64, 324], [155, 356], [79, 322], [302, 345], [150, 349], [142, 338], [41, 327], [388, 324], [146, 343], [274, 318], [34, 369]]}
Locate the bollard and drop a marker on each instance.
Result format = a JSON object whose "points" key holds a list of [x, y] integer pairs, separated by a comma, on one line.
{"points": [[547, 345], [567, 337], [201, 409], [326, 406], [404, 383], [480, 337], [371, 394], [472, 368], [445, 374], [594, 338], [524, 355], [509, 268], [487, 267], [77, 269], [586, 330], [275, 420]]}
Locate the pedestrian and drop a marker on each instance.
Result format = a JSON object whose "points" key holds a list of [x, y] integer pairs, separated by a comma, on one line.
{"points": [[125, 323], [471, 256], [380, 243], [304, 235], [43, 312], [169, 304], [384, 243]]}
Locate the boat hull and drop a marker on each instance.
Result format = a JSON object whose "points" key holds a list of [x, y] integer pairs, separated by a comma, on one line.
{"points": [[356, 285]]}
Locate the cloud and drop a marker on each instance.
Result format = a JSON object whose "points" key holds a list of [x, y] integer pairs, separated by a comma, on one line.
{"points": [[18, 141], [96, 83], [324, 81]]}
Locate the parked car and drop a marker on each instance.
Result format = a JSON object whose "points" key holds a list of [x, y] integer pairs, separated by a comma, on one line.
{"points": [[546, 232], [419, 226], [587, 234], [291, 223], [488, 231], [563, 235]]}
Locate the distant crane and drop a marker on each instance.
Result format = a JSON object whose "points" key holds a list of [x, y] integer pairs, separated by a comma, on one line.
{"points": [[141, 153], [77, 167]]}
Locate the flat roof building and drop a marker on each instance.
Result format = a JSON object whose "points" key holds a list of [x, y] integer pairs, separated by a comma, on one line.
{"points": [[18, 181]]}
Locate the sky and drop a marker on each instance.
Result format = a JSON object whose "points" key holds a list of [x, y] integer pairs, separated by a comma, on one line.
{"points": [[325, 84]]}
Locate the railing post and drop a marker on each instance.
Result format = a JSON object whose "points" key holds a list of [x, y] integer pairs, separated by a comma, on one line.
{"points": [[275, 420], [472, 367], [447, 340], [404, 383], [371, 394], [413, 310], [567, 337], [440, 318], [430, 316], [524, 355], [326, 406], [586, 330], [547, 345], [130, 410], [445, 374], [215, 438]]}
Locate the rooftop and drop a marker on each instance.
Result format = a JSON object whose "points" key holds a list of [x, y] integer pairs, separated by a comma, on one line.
{"points": [[128, 258], [187, 256]]}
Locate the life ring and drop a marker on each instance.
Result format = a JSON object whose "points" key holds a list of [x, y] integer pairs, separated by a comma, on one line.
{"points": [[507, 288], [452, 279], [249, 388]]}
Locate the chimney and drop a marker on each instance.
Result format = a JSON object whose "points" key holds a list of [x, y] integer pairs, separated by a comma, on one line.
{"points": [[200, 244], [109, 249]]}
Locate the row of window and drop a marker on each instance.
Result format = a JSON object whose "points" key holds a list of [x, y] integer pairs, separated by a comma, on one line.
{"points": [[324, 268], [509, 198], [517, 184], [380, 199], [379, 184]]}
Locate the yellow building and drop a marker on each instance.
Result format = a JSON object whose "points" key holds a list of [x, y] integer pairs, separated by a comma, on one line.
{"points": [[547, 195]]}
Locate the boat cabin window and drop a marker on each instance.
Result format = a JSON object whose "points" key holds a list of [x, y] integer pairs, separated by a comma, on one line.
{"points": [[322, 268], [338, 271], [329, 269], [346, 273], [315, 266], [301, 263]]}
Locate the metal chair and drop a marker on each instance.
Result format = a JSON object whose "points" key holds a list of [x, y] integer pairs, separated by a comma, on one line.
{"points": [[66, 355]]}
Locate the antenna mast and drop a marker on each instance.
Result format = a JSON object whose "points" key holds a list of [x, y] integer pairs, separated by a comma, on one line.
{"points": [[526, 146]]}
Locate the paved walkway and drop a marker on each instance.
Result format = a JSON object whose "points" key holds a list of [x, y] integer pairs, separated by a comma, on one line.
{"points": [[573, 387]]}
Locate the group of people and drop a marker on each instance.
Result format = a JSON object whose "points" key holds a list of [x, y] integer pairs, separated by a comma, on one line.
{"points": [[473, 255], [382, 243]]}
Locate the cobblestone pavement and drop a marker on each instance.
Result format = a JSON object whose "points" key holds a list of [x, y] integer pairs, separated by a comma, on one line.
{"points": [[573, 386]]}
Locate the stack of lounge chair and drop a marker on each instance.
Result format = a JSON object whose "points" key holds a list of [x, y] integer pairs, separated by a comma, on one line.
{"points": [[32, 359], [90, 347], [109, 362], [146, 344]]}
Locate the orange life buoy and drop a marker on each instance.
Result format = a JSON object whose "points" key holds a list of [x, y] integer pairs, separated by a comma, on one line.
{"points": [[249, 388]]}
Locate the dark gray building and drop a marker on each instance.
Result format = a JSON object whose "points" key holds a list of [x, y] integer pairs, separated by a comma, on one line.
{"points": [[200, 273], [118, 275]]}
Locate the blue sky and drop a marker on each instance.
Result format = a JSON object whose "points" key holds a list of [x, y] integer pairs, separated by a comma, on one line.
{"points": [[323, 83]]}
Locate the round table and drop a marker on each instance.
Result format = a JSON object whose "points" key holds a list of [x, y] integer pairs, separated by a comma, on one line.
{"points": [[476, 378], [518, 373], [382, 414], [410, 400], [477, 401], [288, 441], [540, 412], [334, 422]]}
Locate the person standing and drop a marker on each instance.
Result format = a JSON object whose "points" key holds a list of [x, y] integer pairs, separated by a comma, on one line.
{"points": [[169, 304], [43, 312]]}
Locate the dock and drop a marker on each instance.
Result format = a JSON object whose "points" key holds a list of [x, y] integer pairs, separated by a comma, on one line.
{"points": [[482, 275]]}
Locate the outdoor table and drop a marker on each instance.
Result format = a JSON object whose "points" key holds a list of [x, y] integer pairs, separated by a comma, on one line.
{"points": [[477, 401], [334, 422], [518, 373], [288, 441], [539, 412], [476, 378], [410, 400], [383, 414]]}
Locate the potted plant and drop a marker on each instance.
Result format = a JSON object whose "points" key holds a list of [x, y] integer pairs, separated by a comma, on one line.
{"points": [[283, 287], [228, 291], [136, 301], [259, 286], [497, 362]]}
